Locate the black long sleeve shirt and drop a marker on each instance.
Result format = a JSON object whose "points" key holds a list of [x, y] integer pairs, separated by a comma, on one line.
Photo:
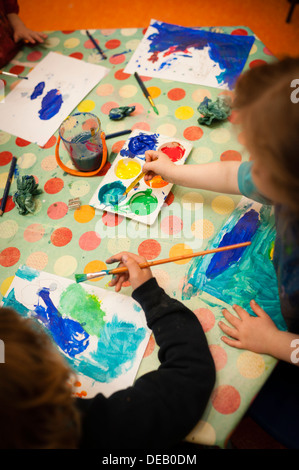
{"points": [[164, 405]]}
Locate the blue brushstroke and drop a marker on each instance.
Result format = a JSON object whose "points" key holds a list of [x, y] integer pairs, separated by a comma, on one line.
{"points": [[38, 90], [51, 104], [249, 275], [67, 333], [10, 301], [115, 353], [139, 144], [25, 272], [243, 231], [229, 51]]}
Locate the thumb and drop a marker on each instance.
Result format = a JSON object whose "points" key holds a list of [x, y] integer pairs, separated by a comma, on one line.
{"points": [[131, 264]]}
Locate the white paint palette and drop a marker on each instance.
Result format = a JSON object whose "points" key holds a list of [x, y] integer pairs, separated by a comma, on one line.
{"points": [[143, 203]]}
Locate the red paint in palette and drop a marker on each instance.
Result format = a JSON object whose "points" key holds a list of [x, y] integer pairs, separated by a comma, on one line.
{"points": [[173, 150]]}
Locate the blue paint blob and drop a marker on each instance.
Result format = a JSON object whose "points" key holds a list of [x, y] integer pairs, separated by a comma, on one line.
{"points": [[111, 193], [242, 232], [67, 333], [38, 90], [139, 144], [229, 51], [51, 105]]}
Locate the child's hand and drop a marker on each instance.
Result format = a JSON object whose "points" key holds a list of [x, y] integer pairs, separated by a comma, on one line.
{"points": [[135, 274], [257, 334], [26, 34], [158, 163]]}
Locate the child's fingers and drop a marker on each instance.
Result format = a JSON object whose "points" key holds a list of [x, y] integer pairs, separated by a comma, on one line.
{"points": [[257, 309], [241, 312], [151, 155], [232, 342], [232, 332], [232, 319]]}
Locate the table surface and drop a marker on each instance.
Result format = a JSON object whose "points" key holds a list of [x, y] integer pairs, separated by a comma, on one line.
{"points": [[65, 242]]}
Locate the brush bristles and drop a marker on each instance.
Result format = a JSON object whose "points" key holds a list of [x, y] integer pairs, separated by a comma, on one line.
{"points": [[80, 277]]}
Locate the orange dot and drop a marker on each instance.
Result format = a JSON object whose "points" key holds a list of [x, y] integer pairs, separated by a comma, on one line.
{"points": [[231, 155], [154, 91], [84, 214], [181, 249], [149, 249], [93, 267]]}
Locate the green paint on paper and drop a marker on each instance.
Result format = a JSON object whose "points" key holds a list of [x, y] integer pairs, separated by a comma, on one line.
{"points": [[83, 307]]}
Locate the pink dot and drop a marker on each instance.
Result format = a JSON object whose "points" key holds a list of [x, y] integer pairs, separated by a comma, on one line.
{"points": [[257, 63], [149, 249], [144, 126], [171, 224], [5, 158], [89, 44], [206, 318], [54, 185], [68, 31], [219, 355], [117, 59], [9, 256], [9, 204], [34, 56], [113, 43], [111, 220], [77, 55], [193, 133], [57, 210], [145, 79], [226, 399], [121, 75], [33, 233], [239, 32], [61, 236], [50, 143], [231, 155], [116, 148], [89, 241], [139, 109], [107, 106], [22, 142], [176, 94], [267, 51], [17, 69]]}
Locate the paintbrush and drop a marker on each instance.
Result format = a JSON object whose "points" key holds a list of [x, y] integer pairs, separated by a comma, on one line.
{"points": [[145, 92], [148, 264], [8, 183], [12, 75], [132, 185], [96, 45]]}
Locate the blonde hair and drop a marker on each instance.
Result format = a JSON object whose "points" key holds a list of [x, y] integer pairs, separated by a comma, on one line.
{"points": [[37, 409], [270, 121]]}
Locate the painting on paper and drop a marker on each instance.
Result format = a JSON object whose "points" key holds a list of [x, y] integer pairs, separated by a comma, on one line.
{"points": [[36, 107], [190, 55], [238, 276], [102, 334], [143, 202]]}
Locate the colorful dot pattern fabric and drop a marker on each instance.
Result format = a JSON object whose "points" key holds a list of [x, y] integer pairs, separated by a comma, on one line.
{"points": [[64, 242]]}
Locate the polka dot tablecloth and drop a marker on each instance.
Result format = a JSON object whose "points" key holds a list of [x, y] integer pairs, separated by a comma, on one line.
{"points": [[64, 242]]}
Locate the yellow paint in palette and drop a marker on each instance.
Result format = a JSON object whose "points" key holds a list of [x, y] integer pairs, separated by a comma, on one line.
{"points": [[127, 169]]}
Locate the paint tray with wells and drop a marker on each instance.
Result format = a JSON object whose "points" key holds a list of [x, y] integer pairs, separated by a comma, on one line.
{"points": [[144, 201]]}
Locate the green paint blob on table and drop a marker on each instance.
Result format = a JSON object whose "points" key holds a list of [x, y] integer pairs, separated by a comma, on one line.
{"points": [[83, 307]]}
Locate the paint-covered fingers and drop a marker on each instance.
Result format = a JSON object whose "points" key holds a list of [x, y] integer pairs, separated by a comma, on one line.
{"points": [[135, 274]]}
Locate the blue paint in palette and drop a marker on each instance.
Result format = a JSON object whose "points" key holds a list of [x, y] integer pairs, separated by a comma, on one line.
{"points": [[230, 52], [139, 144]]}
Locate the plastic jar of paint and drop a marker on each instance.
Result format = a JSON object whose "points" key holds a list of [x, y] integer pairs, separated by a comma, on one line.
{"points": [[81, 136]]}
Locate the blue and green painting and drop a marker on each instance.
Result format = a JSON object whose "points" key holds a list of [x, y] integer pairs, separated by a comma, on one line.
{"points": [[240, 275], [96, 345]]}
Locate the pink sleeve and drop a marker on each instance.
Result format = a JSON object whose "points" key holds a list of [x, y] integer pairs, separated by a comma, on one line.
{"points": [[11, 6]]}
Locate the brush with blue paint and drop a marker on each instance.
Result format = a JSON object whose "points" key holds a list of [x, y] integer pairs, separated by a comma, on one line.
{"points": [[148, 264], [12, 75]]}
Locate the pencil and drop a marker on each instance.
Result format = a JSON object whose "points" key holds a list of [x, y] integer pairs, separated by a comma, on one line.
{"points": [[148, 264], [12, 75], [8, 183], [145, 92], [96, 45]]}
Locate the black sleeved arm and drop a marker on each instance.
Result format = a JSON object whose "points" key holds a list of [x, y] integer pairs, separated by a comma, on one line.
{"points": [[163, 405]]}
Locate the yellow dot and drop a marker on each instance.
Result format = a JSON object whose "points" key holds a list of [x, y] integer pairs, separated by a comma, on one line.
{"points": [[5, 285], [220, 136], [192, 200], [203, 433], [65, 265], [223, 205], [208, 228], [71, 42], [4, 137], [79, 188], [250, 365], [197, 229], [154, 91], [8, 228], [95, 266], [84, 214], [167, 129], [179, 250], [105, 89], [202, 154], [184, 112], [26, 160], [116, 245], [162, 277], [127, 91], [3, 179], [86, 106], [162, 109]]}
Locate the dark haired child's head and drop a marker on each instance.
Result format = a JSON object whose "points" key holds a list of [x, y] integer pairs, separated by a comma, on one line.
{"points": [[37, 408], [270, 119]]}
